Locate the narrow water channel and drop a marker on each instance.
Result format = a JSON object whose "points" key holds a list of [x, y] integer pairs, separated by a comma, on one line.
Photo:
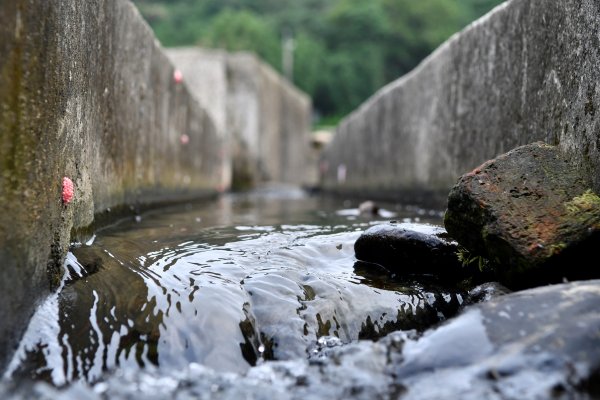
{"points": [[225, 284]]}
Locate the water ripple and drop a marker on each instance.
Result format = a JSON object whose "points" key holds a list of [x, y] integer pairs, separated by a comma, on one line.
{"points": [[172, 290]]}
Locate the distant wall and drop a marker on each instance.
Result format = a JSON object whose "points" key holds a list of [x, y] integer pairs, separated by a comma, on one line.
{"points": [[205, 74], [87, 93], [529, 70], [265, 119]]}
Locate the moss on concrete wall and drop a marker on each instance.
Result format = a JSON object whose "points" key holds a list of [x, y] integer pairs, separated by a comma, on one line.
{"points": [[85, 92]]}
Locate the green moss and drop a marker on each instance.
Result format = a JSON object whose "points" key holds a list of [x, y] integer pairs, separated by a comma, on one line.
{"points": [[466, 258], [586, 202], [556, 249]]}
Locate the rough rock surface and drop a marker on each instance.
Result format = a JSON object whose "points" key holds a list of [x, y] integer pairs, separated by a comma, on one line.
{"points": [[539, 343], [536, 344], [531, 213], [407, 248]]}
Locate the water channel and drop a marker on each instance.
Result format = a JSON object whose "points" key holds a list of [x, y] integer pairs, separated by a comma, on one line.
{"points": [[226, 285]]}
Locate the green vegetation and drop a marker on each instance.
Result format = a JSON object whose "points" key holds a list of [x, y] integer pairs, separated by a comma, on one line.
{"points": [[587, 202], [466, 259], [344, 50]]}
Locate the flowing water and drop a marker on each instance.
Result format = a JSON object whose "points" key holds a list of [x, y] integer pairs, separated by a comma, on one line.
{"points": [[224, 285]]}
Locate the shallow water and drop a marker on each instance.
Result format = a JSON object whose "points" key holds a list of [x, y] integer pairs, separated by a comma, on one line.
{"points": [[224, 285]]}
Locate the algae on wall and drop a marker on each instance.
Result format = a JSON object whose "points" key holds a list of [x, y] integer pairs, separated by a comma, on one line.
{"points": [[32, 100]]}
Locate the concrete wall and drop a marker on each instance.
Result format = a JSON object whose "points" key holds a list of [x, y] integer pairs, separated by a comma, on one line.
{"points": [[529, 70], [87, 93], [266, 120], [205, 74]]}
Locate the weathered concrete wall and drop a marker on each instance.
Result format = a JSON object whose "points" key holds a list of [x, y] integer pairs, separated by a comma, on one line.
{"points": [[87, 93], [205, 74], [266, 119], [527, 71]]}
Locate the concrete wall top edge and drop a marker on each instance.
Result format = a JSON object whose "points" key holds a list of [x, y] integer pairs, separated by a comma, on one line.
{"points": [[246, 56], [399, 83], [525, 72], [195, 51]]}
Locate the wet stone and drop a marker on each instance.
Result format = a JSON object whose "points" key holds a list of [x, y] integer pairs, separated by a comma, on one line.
{"points": [[410, 249], [531, 213], [539, 343]]}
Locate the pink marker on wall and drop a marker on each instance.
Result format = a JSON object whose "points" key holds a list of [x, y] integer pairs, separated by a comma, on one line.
{"points": [[177, 76], [68, 190]]}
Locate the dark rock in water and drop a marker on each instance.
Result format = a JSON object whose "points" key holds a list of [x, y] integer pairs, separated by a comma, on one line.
{"points": [[536, 344], [531, 213], [407, 249]]}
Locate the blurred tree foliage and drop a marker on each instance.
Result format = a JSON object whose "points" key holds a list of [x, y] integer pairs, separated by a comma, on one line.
{"points": [[344, 49]]}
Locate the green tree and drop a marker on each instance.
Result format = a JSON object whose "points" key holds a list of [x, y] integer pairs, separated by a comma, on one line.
{"points": [[243, 30], [356, 60], [354, 75], [473, 9], [175, 24], [352, 21], [345, 49], [416, 29], [310, 57]]}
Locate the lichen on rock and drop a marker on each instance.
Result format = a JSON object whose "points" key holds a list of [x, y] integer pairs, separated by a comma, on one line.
{"points": [[586, 202]]}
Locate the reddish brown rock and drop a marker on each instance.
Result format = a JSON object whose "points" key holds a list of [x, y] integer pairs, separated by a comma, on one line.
{"points": [[531, 212]]}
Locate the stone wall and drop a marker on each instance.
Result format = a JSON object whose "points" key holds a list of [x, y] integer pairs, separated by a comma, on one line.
{"points": [[527, 71], [265, 119], [85, 92]]}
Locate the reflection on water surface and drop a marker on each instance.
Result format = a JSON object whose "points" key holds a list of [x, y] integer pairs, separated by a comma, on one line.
{"points": [[224, 284]]}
